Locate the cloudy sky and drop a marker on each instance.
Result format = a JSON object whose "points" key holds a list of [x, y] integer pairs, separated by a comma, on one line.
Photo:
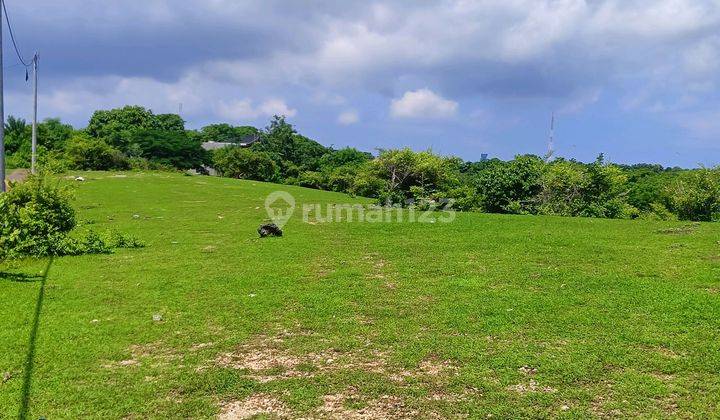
{"points": [[635, 79]]}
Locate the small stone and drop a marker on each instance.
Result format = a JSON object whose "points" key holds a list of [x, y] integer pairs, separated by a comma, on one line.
{"points": [[94, 321], [157, 317], [6, 376], [136, 216], [80, 179], [252, 295], [565, 408]]}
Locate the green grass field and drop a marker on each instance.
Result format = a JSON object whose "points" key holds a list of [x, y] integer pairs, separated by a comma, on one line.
{"points": [[488, 315]]}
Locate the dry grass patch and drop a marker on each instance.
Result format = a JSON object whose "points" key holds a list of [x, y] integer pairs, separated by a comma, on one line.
{"points": [[254, 405], [531, 386], [267, 359], [335, 406]]}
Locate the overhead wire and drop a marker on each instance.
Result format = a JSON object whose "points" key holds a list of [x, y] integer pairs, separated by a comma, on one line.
{"points": [[12, 35]]}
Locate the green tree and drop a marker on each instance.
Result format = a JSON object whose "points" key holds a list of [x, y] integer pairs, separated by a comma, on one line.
{"points": [[169, 122], [237, 162], [52, 134], [226, 133], [116, 126], [407, 175], [88, 153], [169, 148], [342, 157], [510, 187], [17, 132], [695, 195], [294, 152]]}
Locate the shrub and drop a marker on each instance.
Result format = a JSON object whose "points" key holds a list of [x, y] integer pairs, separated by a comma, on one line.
{"points": [[311, 179], [594, 190], [399, 176], [511, 187], [35, 218], [236, 162], [170, 148], [86, 153], [695, 195]]}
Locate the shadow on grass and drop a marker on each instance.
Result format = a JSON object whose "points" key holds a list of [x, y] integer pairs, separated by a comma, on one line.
{"points": [[30, 359], [19, 277]]}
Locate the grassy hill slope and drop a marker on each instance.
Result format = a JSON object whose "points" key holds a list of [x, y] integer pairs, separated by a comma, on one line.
{"points": [[489, 314]]}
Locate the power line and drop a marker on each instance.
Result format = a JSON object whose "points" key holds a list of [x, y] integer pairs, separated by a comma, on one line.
{"points": [[12, 35]]}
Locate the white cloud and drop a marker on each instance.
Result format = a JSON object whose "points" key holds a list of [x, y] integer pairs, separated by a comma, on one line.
{"points": [[660, 56], [276, 107], [423, 103], [244, 109], [348, 117]]}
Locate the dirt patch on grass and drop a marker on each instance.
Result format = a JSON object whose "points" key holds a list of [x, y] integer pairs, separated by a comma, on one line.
{"points": [[199, 346], [269, 358], [531, 386], [344, 405], [376, 266], [680, 230], [667, 352], [339, 406], [154, 354], [254, 405]]}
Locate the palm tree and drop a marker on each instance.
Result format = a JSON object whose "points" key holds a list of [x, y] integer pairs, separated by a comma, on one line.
{"points": [[14, 125]]}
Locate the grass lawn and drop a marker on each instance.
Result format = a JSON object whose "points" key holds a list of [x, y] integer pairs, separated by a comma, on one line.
{"points": [[488, 315]]}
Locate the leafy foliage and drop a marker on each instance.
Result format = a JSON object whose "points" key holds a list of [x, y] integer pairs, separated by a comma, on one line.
{"points": [[170, 148], [406, 176], [510, 187], [134, 137], [226, 133], [87, 153], [36, 219], [236, 162], [293, 152], [695, 195]]}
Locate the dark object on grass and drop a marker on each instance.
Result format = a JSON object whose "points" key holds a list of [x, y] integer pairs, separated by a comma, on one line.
{"points": [[269, 229]]}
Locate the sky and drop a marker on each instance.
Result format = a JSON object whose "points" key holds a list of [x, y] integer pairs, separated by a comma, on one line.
{"points": [[636, 80]]}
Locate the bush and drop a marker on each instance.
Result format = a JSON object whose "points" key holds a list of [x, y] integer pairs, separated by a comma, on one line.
{"points": [[695, 195], [400, 176], [35, 218], [86, 153], [594, 190], [169, 148], [237, 162], [511, 187]]}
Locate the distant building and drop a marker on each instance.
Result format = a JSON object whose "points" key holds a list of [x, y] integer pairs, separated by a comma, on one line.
{"points": [[246, 141], [214, 145]]}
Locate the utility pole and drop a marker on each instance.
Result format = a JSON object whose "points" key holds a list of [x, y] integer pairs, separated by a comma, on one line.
{"points": [[2, 114], [34, 123], [551, 139]]}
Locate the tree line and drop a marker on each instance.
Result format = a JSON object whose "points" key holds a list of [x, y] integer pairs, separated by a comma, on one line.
{"points": [[135, 138]]}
